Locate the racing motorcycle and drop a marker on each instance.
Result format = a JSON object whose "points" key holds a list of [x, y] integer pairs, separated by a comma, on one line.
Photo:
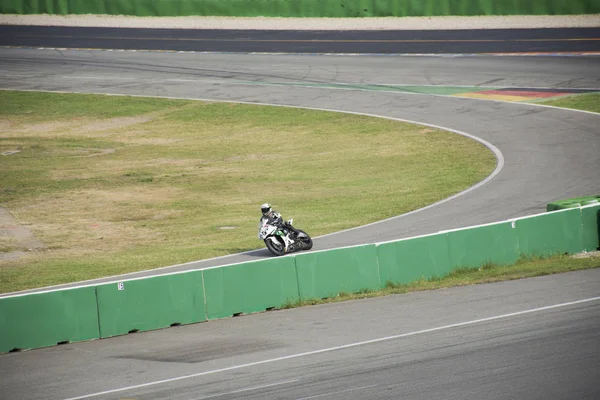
{"points": [[281, 240]]}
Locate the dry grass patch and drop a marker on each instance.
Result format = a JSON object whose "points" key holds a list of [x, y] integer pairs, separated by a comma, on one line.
{"points": [[19, 127], [114, 123], [8, 244], [97, 221]]}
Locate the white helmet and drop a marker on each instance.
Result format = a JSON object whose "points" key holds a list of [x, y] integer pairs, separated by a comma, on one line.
{"points": [[265, 208]]}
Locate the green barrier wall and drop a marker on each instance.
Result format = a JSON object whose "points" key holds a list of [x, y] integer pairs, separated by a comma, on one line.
{"points": [[302, 8], [151, 303], [552, 233], [250, 287], [590, 227], [408, 260], [573, 203], [328, 273], [46, 319], [474, 247]]}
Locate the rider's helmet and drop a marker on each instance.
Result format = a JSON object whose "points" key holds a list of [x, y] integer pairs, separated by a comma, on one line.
{"points": [[266, 209]]}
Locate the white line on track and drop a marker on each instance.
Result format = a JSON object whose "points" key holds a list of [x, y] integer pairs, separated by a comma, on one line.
{"points": [[336, 348], [433, 55]]}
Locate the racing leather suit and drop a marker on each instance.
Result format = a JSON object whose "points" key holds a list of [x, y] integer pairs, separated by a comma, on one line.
{"points": [[276, 219]]}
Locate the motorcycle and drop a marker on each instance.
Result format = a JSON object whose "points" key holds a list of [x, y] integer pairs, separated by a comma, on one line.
{"points": [[280, 240]]}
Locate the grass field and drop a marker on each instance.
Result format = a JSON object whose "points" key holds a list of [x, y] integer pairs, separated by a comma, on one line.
{"points": [[586, 102], [112, 185]]}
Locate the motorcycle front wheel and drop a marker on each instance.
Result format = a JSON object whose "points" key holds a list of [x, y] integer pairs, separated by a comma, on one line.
{"points": [[276, 248]]}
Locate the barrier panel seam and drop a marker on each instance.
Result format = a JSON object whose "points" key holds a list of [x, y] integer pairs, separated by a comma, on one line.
{"points": [[297, 279], [378, 269], [204, 295], [98, 311]]}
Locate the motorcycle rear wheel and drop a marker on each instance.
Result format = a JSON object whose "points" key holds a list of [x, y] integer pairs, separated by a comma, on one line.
{"points": [[307, 241], [277, 249]]}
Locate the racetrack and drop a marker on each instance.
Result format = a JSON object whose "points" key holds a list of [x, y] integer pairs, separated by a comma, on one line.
{"points": [[488, 341], [544, 154]]}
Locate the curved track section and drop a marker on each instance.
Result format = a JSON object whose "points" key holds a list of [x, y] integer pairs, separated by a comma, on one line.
{"points": [[534, 338], [548, 153]]}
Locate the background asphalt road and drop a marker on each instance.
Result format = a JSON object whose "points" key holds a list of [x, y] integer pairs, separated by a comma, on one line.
{"points": [[442, 41], [547, 154], [547, 354]]}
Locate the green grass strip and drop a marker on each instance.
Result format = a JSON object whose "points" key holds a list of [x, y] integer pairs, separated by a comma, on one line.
{"points": [[489, 273], [585, 102]]}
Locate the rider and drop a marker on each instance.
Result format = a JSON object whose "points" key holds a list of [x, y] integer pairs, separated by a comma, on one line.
{"points": [[275, 218]]}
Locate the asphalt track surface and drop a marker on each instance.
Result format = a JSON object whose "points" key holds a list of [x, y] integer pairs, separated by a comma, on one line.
{"points": [[385, 42], [481, 342], [527, 339]]}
